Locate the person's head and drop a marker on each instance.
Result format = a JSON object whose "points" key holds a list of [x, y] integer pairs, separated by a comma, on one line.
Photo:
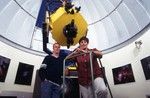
{"points": [[83, 42], [56, 48]]}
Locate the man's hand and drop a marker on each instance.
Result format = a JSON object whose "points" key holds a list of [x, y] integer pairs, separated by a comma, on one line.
{"points": [[66, 71]]}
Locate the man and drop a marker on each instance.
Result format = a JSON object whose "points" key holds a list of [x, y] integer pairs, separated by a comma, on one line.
{"points": [[51, 73], [84, 71]]}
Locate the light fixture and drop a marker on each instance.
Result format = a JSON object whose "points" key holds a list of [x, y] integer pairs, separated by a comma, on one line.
{"points": [[138, 44]]}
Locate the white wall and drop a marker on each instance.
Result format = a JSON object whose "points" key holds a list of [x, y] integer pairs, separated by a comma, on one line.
{"points": [[129, 54], [17, 56]]}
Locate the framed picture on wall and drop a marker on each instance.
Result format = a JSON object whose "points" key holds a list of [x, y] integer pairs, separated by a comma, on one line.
{"points": [[146, 67], [24, 74], [123, 74], [4, 64]]}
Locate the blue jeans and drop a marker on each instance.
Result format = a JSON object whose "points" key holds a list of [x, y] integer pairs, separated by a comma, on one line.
{"points": [[49, 90]]}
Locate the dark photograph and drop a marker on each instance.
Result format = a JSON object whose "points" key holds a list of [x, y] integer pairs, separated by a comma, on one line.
{"points": [[123, 74], [24, 74], [4, 64], [146, 67]]}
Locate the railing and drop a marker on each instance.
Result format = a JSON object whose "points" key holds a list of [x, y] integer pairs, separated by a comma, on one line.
{"points": [[73, 55]]}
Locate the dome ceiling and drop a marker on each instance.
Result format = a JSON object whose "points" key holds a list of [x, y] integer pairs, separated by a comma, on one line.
{"points": [[110, 22]]}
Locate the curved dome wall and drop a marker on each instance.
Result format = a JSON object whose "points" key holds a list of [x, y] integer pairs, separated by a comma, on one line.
{"points": [[111, 22], [18, 18]]}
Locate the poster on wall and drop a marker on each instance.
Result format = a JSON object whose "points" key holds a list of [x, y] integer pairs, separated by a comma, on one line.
{"points": [[146, 67], [123, 74], [4, 64], [24, 74]]}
